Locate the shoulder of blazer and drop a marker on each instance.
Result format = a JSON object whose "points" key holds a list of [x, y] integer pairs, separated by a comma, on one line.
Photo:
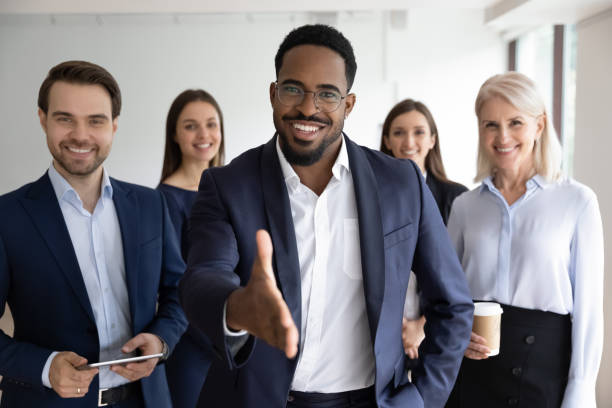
{"points": [[128, 196], [129, 188], [33, 190], [242, 170], [382, 164], [449, 189]]}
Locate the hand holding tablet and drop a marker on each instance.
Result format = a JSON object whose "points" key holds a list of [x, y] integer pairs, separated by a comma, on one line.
{"points": [[119, 361]]}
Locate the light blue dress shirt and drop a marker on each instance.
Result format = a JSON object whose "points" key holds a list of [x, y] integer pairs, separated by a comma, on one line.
{"points": [[543, 252], [97, 242]]}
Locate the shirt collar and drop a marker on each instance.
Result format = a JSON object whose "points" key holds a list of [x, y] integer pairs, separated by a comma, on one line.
{"points": [[293, 180], [536, 181], [62, 187]]}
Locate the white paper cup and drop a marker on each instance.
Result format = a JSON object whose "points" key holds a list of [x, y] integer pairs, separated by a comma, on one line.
{"points": [[487, 323]]}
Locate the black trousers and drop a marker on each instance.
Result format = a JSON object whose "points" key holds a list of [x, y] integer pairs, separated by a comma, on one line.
{"points": [[363, 398], [531, 369]]}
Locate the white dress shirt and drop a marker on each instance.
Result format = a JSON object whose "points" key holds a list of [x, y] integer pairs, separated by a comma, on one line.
{"points": [[98, 245], [336, 349], [543, 252]]}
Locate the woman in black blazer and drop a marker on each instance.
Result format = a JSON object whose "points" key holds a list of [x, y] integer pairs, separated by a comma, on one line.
{"points": [[410, 132]]}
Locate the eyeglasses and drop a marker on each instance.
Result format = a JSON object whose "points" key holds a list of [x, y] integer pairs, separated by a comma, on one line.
{"points": [[325, 100]]}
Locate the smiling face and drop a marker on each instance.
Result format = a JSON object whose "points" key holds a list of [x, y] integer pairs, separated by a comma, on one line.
{"points": [[79, 128], [306, 134], [410, 137], [508, 135], [198, 132]]}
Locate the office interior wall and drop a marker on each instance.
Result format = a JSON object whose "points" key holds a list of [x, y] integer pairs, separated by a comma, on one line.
{"points": [[593, 144], [434, 55], [438, 56]]}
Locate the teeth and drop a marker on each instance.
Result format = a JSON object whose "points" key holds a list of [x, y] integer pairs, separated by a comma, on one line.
{"points": [[75, 150], [203, 146], [504, 149], [305, 128], [409, 152]]}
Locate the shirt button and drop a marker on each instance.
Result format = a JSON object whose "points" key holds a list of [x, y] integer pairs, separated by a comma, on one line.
{"points": [[530, 339], [513, 401], [517, 371]]}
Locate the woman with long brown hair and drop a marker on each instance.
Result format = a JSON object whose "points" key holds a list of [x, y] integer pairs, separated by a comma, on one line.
{"points": [[410, 132], [194, 142]]}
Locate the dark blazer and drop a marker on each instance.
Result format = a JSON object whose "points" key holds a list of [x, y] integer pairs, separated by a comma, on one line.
{"points": [[188, 364], [400, 229], [41, 281], [444, 192]]}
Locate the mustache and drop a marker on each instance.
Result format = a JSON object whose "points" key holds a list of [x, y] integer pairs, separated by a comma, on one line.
{"points": [[312, 118]]}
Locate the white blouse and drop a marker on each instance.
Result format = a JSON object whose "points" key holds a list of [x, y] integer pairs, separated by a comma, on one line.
{"points": [[543, 252]]}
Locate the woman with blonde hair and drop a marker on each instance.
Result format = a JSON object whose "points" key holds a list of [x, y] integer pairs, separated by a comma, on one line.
{"points": [[532, 241]]}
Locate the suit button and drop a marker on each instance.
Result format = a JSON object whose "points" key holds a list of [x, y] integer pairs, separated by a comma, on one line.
{"points": [[290, 398], [530, 339], [513, 401], [517, 371]]}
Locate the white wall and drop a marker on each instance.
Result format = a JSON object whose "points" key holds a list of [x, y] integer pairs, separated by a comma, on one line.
{"points": [[440, 57], [593, 144]]}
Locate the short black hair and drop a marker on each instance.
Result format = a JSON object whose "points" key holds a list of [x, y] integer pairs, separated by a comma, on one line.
{"points": [[323, 35]]}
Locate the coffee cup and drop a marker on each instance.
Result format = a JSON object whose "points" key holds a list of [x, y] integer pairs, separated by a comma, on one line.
{"points": [[487, 323]]}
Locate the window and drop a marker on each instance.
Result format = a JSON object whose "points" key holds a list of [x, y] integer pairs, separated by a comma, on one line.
{"points": [[548, 56]]}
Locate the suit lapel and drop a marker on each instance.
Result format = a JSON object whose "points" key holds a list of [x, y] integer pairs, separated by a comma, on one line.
{"points": [[370, 232], [42, 206], [128, 213], [278, 212]]}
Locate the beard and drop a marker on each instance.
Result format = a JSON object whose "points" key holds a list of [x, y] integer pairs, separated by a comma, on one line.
{"points": [[310, 157], [79, 167]]}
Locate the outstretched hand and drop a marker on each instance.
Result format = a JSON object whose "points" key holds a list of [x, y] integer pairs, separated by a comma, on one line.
{"points": [[259, 307]]}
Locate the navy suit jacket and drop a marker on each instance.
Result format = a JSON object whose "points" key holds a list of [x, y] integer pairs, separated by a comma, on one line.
{"points": [[41, 281], [400, 229]]}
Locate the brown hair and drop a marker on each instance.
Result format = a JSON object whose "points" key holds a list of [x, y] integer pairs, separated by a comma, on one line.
{"points": [[172, 153], [80, 72], [433, 160]]}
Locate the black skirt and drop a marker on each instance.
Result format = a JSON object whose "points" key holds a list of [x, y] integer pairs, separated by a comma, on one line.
{"points": [[531, 369]]}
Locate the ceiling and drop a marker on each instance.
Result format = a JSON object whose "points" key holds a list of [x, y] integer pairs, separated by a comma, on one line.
{"points": [[506, 16], [224, 6]]}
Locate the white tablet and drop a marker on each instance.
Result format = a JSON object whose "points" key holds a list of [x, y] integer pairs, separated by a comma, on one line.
{"points": [[120, 361]]}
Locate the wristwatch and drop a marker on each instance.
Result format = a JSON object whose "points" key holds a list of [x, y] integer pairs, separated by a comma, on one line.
{"points": [[165, 351]]}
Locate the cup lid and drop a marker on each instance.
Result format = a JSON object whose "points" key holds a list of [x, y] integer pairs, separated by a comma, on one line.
{"points": [[487, 309]]}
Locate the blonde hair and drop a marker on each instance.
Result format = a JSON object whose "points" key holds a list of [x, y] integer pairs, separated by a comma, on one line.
{"points": [[521, 92]]}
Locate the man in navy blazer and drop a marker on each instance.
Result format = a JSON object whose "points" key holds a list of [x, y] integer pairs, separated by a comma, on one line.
{"points": [[301, 253], [89, 265]]}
